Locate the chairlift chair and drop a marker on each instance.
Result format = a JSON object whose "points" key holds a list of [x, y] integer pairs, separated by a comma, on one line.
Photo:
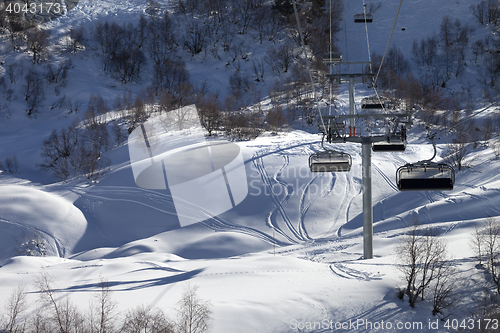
{"points": [[425, 176], [362, 18], [394, 143], [332, 58], [391, 146], [373, 103], [330, 161]]}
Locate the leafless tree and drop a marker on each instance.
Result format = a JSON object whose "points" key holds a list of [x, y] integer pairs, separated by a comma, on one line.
{"points": [[17, 39], [14, 72], [169, 76], [195, 314], [38, 41], [101, 317], [128, 64], [96, 113], [258, 70], [10, 164], [280, 60], [142, 319], [56, 152], [195, 36], [209, 113], [421, 254], [276, 119], [477, 243], [487, 11], [161, 41], [444, 287], [64, 314], [75, 39], [492, 249], [16, 306], [118, 133], [57, 73], [33, 91], [458, 149]]}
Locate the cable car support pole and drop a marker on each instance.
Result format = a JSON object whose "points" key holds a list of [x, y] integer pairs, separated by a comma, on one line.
{"points": [[366, 145], [352, 125]]}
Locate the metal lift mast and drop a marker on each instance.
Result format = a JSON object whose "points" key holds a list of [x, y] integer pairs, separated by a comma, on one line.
{"points": [[333, 135]]}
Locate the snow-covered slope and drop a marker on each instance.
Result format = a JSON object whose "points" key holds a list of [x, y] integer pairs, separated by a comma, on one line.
{"points": [[287, 256]]}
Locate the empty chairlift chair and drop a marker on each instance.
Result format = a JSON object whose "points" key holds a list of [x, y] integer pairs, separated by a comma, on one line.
{"points": [[332, 58], [425, 176], [362, 18], [373, 103], [396, 143], [391, 146], [330, 161]]}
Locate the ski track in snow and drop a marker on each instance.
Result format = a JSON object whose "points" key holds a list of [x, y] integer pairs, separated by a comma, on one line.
{"points": [[61, 250], [349, 273], [385, 177], [258, 162], [304, 209], [346, 201], [214, 223]]}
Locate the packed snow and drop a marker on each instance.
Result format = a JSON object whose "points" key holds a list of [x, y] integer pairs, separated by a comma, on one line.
{"points": [[288, 258]]}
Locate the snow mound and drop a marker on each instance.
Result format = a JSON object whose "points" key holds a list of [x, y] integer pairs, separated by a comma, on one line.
{"points": [[27, 212]]}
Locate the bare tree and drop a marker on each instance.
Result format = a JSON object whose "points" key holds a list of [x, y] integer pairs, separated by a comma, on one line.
{"points": [[16, 306], [145, 320], [56, 152], [57, 73], [10, 165], [276, 119], [280, 60], [75, 39], [492, 249], [194, 313], [444, 287], [195, 37], [14, 72], [477, 243], [128, 64], [102, 310], [458, 149], [34, 93], [38, 42], [210, 114], [65, 315], [118, 133], [421, 253]]}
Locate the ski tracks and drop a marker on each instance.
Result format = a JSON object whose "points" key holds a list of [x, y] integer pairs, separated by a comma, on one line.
{"points": [[268, 182], [345, 272], [385, 177], [122, 193]]}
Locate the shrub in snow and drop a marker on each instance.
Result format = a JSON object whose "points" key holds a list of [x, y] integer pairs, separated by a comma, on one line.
{"points": [[32, 245], [10, 165]]}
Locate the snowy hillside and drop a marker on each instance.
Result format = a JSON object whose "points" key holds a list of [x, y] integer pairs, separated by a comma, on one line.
{"points": [[288, 258]]}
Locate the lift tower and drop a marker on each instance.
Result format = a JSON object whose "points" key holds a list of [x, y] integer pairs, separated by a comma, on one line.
{"points": [[334, 128]]}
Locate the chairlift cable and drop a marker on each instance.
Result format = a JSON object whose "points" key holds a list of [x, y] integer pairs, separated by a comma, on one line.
{"points": [[447, 130], [388, 42], [331, 58], [367, 39], [308, 64], [473, 115], [385, 52]]}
